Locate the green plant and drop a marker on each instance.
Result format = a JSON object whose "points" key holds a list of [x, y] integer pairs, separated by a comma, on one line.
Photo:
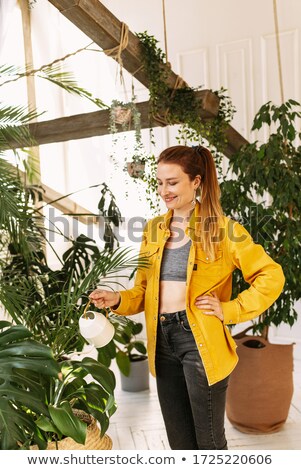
{"points": [[181, 105], [50, 302], [271, 172], [39, 396], [125, 336], [124, 116], [140, 165]]}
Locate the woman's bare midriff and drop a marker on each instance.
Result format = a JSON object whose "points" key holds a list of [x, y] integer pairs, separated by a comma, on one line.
{"points": [[172, 296], [173, 293]]}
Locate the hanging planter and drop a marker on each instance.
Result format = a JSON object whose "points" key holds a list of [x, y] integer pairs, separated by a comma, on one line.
{"points": [[122, 115], [136, 169], [139, 165], [125, 115]]}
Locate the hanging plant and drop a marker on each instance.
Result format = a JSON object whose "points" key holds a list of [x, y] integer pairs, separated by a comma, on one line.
{"points": [[125, 117], [139, 165], [181, 105]]}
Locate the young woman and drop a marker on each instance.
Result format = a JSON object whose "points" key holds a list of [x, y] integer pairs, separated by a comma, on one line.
{"points": [[185, 293]]}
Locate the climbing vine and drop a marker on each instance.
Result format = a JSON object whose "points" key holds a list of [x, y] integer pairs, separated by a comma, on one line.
{"points": [[181, 105]]}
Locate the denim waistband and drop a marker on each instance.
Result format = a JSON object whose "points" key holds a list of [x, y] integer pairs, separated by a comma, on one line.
{"points": [[174, 317]]}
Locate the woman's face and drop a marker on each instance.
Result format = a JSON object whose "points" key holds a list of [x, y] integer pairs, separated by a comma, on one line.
{"points": [[175, 187]]}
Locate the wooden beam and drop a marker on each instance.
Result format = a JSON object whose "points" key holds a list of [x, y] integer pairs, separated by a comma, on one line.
{"points": [[234, 142], [99, 24], [68, 207], [97, 123], [64, 204], [81, 126]]}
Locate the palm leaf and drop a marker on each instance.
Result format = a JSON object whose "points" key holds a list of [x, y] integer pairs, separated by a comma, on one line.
{"points": [[13, 126], [66, 80]]}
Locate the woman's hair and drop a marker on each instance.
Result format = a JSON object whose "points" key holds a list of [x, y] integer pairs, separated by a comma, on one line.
{"points": [[199, 161]]}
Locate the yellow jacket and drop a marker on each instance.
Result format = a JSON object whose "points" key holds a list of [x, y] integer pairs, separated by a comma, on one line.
{"points": [[237, 250]]}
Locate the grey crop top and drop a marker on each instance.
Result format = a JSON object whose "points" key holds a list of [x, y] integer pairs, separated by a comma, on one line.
{"points": [[174, 263]]}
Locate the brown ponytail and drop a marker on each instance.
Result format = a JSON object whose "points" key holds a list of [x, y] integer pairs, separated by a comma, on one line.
{"points": [[199, 161]]}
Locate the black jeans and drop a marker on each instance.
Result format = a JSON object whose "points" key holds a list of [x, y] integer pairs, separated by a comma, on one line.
{"points": [[193, 411]]}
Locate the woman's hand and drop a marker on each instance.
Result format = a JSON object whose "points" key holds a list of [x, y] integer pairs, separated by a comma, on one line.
{"points": [[103, 298], [212, 303]]}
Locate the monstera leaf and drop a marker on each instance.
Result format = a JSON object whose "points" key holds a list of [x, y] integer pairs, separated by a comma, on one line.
{"points": [[23, 363], [95, 397]]}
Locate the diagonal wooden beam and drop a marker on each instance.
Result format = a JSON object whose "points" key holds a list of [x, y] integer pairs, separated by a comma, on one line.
{"points": [[68, 207], [99, 24], [97, 123], [64, 204], [81, 126]]}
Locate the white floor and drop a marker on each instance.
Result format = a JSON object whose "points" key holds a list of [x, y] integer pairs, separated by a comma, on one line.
{"points": [[138, 424]]}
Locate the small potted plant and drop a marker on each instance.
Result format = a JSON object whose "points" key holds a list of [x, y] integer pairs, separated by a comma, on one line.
{"points": [[125, 117]]}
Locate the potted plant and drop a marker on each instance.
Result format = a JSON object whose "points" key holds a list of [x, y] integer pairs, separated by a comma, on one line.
{"points": [[50, 303], [131, 357], [122, 117], [261, 386], [45, 404]]}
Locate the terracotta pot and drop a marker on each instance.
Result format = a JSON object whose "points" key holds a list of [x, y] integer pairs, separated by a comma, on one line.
{"points": [[261, 386]]}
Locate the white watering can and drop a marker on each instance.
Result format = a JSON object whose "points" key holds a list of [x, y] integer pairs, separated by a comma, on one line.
{"points": [[95, 327]]}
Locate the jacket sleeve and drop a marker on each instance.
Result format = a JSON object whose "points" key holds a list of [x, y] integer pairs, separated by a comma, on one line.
{"points": [[264, 275], [132, 300]]}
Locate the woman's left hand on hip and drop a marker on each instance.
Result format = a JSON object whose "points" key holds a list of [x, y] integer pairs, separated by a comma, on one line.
{"points": [[211, 303]]}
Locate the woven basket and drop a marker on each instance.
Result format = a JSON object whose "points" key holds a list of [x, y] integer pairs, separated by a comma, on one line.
{"points": [[93, 441]]}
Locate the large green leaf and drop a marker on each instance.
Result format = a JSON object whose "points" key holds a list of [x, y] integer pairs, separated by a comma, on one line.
{"points": [[46, 425], [123, 362], [17, 427], [14, 333], [68, 424], [103, 356], [23, 363], [104, 376]]}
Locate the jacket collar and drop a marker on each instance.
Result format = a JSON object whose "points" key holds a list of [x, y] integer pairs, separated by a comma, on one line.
{"points": [[164, 225]]}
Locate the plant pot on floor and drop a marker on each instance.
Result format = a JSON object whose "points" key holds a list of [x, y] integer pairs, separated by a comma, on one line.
{"points": [[261, 386], [138, 379]]}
